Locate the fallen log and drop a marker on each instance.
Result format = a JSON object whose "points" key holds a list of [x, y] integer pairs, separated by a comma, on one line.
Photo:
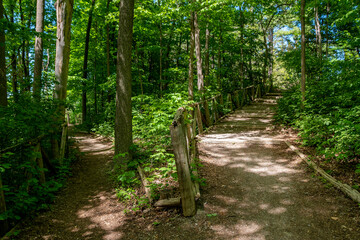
{"points": [[350, 192], [171, 202]]}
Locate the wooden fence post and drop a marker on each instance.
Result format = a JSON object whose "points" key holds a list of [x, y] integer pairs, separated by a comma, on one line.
{"points": [[63, 144], [4, 225], [178, 139], [40, 164], [221, 99], [237, 102], [198, 118], [243, 96], [229, 102], [216, 116], [207, 114]]}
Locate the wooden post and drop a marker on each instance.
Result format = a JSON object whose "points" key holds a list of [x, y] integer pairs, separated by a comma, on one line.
{"points": [[63, 144], [242, 97], [216, 116], [229, 102], [221, 99], [178, 139], [4, 225], [253, 92], [237, 102], [207, 114], [250, 95], [40, 163], [198, 118]]}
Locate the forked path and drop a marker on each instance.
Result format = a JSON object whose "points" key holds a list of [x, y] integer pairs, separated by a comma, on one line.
{"points": [[257, 189], [261, 190]]}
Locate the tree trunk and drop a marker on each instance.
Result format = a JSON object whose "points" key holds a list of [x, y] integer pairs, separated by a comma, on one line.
{"points": [[123, 119], [13, 59], [200, 80], [64, 10], [266, 57], [242, 20], [3, 82], [85, 65], [327, 27], [303, 63], [219, 60], [271, 60], [207, 56], [191, 58], [40, 4], [318, 33]]}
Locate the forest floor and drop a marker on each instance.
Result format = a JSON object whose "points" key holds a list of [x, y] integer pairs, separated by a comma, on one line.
{"points": [[256, 188]]}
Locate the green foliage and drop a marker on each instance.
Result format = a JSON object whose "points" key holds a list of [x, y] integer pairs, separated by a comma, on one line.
{"points": [[330, 121]]}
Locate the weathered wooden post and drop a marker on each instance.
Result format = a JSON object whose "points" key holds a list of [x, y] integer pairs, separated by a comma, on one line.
{"points": [[4, 225], [63, 144], [243, 97], [40, 163], [198, 118], [229, 102], [216, 115], [207, 114], [237, 102], [178, 139]]}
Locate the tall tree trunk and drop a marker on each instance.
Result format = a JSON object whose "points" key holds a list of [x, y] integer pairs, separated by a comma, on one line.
{"points": [[40, 4], [266, 57], [327, 27], [85, 65], [3, 82], [160, 54], [271, 60], [318, 33], [200, 76], [64, 10], [13, 59], [242, 22], [191, 58], [219, 60], [207, 56], [303, 63], [108, 42], [123, 119]]}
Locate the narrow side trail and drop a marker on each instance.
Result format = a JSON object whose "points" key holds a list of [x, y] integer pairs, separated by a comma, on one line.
{"points": [[87, 208], [260, 189]]}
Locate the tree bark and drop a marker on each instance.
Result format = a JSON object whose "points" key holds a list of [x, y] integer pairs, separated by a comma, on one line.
{"points": [[64, 10], [242, 22], [3, 82], [13, 58], [40, 5], [303, 63], [85, 65], [207, 56], [191, 58], [123, 119], [271, 59], [318, 33], [327, 27], [200, 76]]}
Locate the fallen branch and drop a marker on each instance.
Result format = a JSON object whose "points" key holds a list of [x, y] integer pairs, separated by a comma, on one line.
{"points": [[145, 183], [171, 202], [350, 192]]}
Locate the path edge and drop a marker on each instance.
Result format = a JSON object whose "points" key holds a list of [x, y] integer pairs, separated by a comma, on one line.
{"points": [[346, 189]]}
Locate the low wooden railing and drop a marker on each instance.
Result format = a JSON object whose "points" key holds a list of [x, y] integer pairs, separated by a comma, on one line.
{"points": [[38, 157], [187, 124]]}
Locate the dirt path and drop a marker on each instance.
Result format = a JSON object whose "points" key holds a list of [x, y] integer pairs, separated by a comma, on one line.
{"points": [[256, 189], [261, 190]]}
